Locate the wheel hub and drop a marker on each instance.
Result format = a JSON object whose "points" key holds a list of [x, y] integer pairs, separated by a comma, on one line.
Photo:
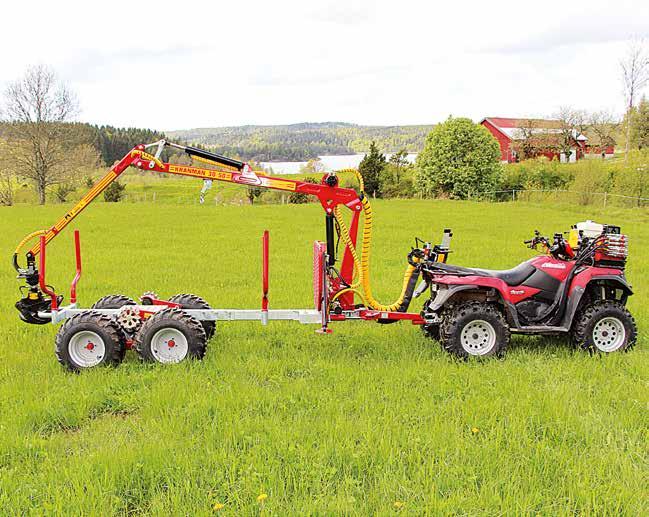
{"points": [[129, 318], [169, 345], [478, 337], [86, 349], [609, 334]]}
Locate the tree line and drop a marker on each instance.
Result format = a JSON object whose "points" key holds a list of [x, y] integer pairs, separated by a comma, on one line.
{"points": [[302, 142]]}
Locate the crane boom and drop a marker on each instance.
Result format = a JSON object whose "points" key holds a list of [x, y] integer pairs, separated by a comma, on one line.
{"points": [[228, 170]]}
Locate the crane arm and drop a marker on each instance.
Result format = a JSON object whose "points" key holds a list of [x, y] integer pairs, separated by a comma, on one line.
{"points": [[229, 170]]}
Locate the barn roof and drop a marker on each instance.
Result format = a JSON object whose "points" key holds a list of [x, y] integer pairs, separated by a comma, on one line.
{"points": [[512, 127]]}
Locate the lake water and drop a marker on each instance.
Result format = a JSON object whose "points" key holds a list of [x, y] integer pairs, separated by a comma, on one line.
{"points": [[330, 163]]}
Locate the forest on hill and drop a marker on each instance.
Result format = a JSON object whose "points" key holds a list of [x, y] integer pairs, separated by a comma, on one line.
{"points": [[301, 142]]}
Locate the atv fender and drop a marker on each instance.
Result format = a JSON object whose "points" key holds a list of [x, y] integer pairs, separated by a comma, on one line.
{"points": [[450, 290], [444, 295], [578, 292]]}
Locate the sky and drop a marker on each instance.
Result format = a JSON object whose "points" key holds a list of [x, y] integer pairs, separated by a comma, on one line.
{"points": [[179, 65]]}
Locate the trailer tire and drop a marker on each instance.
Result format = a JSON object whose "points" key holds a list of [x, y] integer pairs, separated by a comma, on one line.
{"points": [[474, 329], [604, 326], [171, 336], [113, 301], [191, 301], [90, 339]]}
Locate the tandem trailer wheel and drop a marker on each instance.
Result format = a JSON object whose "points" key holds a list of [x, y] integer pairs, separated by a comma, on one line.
{"points": [[192, 301], [88, 340], [113, 301], [171, 336]]}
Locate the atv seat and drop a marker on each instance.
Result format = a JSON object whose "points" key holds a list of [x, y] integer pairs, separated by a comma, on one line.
{"points": [[515, 276]]}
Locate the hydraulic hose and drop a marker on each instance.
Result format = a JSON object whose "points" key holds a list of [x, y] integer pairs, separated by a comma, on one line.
{"points": [[29, 237], [363, 264]]}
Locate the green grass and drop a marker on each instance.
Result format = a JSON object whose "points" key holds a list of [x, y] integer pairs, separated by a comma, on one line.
{"points": [[342, 424]]}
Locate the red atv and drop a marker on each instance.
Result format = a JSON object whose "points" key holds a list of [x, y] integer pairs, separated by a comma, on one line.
{"points": [[577, 289]]}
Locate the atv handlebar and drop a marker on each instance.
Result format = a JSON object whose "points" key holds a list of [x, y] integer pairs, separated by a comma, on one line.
{"points": [[559, 249], [538, 239]]}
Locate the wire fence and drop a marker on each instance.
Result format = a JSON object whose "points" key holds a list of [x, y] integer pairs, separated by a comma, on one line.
{"points": [[194, 198], [581, 197], [555, 196]]}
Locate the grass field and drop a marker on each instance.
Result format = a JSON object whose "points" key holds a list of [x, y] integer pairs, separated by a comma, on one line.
{"points": [[369, 420]]}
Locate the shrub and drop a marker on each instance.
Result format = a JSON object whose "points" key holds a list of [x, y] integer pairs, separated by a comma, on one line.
{"points": [[397, 181], [63, 191], [459, 159], [114, 192], [298, 198], [255, 193]]}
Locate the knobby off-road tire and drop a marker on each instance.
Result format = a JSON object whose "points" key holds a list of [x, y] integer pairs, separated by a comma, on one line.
{"points": [[171, 336], [191, 301], [113, 301], [90, 339], [431, 331], [604, 326], [474, 329]]}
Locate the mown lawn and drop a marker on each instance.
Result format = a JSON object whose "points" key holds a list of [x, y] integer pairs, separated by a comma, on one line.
{"points": [[368, 420]]}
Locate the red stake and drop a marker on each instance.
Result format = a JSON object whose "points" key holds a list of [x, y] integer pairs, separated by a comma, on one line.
{"points": [[41, 276], [77, 253], [264, 278]]}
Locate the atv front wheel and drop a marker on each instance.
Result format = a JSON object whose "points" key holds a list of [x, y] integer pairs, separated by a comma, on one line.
{"points": [[474, 329], [90, 339], [604, 326], [171, 336]]}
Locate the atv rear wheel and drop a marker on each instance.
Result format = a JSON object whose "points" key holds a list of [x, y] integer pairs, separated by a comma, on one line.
{"points": [[171, 336], [604, 326], [191, 301], [113, 301], [474, 329], [90, 339]]}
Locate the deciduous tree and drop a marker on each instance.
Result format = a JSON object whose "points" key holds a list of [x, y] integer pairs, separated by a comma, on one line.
{"points": [[7, 177], [640, 133], [635, 75], [460, 158], [42, 145], [603, 127]]}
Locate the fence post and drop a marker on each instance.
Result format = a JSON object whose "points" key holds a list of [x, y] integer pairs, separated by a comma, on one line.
{"points": [[154, 197], [605, 195], [513, 195]]}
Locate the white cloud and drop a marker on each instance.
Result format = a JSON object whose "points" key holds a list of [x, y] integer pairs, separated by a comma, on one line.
{"points": [[174, 65]]}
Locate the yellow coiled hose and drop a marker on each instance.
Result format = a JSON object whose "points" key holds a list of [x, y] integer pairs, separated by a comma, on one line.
{"points": [[28, 238], [363, 264]]}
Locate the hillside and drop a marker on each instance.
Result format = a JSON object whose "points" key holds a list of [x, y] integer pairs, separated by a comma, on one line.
{"points": [[297, 142]]}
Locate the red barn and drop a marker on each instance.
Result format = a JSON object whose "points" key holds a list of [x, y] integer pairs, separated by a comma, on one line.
{"points": [[508, 131]]}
